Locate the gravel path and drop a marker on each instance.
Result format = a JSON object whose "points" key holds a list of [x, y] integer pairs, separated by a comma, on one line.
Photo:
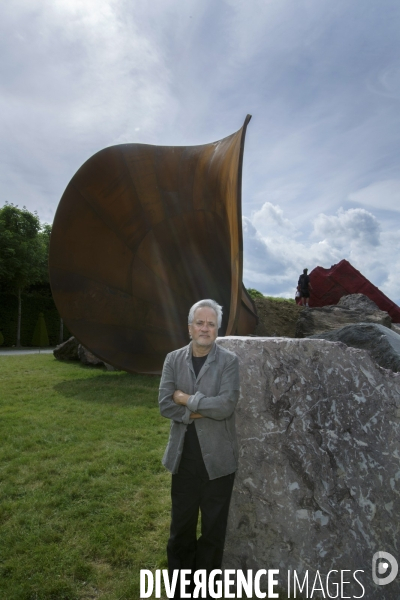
{"points": [[17, 351]]}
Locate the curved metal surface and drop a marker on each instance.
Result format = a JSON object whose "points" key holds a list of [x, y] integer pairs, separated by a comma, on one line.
{"points": [[141, 233]]}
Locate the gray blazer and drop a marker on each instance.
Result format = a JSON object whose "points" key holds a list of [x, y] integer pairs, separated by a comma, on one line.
{"points": [[214, 394]]}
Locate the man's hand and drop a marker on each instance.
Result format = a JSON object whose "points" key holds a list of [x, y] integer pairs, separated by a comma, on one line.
{"points": [[180, 397]]}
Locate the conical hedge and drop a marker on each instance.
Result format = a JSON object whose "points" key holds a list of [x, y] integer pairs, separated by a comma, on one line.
{"points": [[40, 336]]}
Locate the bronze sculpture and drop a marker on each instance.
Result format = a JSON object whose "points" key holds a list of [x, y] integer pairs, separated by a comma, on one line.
{"points": [[140, 234]]}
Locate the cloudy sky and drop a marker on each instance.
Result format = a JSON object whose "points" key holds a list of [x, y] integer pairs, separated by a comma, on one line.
{"points": [[321, 78]]}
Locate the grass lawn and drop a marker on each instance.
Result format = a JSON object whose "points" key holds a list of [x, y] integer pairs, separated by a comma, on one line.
{"points": [[84, 499], [279, 299]]}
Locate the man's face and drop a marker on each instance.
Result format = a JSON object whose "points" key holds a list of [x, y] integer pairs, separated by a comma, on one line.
{"points": [[204, 328]]}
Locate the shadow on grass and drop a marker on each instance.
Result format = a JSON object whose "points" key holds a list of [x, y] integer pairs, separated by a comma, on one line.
{"points": [[119, 389]]}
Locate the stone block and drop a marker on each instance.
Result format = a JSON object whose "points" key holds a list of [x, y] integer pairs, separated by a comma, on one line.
{"points": [[88, 358], [318, 485], [313, 321], [68, 350], [383, 344], [358, 302]]}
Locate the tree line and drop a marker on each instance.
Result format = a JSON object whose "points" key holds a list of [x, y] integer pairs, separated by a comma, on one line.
{"points": [[24, 251]]}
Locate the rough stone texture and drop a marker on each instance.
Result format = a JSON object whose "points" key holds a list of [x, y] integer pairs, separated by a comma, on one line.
{"points": [[110, 367], [396, 328], [329, 285], [327, 318], [87, 358], [318, 486], [67, 350], [73, 350], [358, 302], [382, 343]]}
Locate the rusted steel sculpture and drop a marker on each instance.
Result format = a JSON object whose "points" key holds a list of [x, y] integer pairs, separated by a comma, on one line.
{"points": [[140, 234]]}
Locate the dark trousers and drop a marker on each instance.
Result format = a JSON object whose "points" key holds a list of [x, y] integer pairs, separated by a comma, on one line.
{"points": [[191, 491]]}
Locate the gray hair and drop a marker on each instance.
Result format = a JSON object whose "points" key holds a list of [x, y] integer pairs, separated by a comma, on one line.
{"points": [[209, 304]]}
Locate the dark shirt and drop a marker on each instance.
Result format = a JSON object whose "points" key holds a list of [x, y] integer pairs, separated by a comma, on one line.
{"points": [[304, 280], [191, 446], [198, 362]]}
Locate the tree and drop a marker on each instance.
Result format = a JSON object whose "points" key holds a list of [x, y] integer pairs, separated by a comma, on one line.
{"points": [[254, 293], [23, 251]]}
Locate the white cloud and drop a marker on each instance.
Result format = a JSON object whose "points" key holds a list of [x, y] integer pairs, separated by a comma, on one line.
{"points": [[381, 195], [354, 227], [273, 260], [79, 76], [260, 256], [270, 218]]}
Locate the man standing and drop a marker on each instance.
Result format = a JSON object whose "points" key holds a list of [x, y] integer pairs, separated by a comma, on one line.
{"points": [[199, 391], [305, 287]]}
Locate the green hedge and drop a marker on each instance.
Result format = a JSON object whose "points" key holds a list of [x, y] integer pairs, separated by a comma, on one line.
{"points": [[32, 306]]}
